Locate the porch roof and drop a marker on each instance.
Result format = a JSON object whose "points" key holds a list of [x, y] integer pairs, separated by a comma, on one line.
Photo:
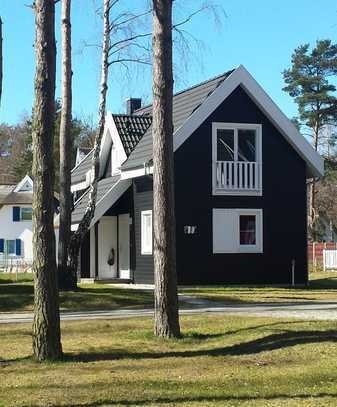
{"points": [[108, 191]]}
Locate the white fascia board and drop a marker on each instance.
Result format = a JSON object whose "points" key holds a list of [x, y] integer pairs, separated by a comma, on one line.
{"points": [[241, 76], [79, 186], [111, 136], [135, 173], [114, 193], [22, 183], [105, 143]]}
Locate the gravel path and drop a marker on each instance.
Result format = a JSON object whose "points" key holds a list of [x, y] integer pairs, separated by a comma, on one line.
{"points": [[304, 310]]}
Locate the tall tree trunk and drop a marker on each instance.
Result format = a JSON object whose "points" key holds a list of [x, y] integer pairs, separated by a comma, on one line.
{"points": [[166, 320], [1, 62], [46, 325], [66, 144], [83, 227]]}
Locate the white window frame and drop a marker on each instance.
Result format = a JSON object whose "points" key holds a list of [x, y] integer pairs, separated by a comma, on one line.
{"points": [[239, 248], [235, 127], [146, 249]]}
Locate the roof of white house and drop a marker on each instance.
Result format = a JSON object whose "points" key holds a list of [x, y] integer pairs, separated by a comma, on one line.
{"points": [[19, 194]]}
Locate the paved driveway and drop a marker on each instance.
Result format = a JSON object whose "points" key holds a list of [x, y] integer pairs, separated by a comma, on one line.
{"points": [[304, 310]]}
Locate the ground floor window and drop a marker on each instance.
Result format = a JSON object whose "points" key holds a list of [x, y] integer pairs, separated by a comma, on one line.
{"points": [[10, 247], [146, 232], [237, 231]]}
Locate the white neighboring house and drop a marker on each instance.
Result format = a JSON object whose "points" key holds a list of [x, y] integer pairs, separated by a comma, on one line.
{"points": [[16, 220]]}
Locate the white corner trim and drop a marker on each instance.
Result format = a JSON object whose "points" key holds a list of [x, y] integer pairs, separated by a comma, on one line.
{"points": [[242, 77], [23, 182]]}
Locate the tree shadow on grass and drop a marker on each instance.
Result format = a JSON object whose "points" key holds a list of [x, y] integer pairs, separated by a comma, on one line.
{"points": [[15, 297], [266, 343], [199, 399]]}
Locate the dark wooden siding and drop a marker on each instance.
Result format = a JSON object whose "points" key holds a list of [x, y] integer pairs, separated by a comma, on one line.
{"points": [[283, 203], [85, 257], [143, 200]]}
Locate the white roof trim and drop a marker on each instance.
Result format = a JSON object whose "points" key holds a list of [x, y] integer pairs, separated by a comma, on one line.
{"points": [[110, 129], [22, 183], [80, 163], [315, 163]]}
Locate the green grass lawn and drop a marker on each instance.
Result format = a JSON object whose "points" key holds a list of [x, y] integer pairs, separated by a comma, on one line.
{"points": [[221, 361], [17, 296], [322, 287]]}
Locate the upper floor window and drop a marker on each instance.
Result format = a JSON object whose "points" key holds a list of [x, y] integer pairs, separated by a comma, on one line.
{"points": [[22, 214], [237, 159]]}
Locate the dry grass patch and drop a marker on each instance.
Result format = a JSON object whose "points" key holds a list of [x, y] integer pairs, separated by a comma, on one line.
{"points": [[322, 287], [221, 360]]}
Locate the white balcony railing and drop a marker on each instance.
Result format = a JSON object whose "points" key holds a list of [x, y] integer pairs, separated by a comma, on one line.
{"points": [[237, 176]]}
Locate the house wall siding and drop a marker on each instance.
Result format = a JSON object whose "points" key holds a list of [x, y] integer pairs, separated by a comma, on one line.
{"points": [[22, 230], [283, 203], [143, 200]]}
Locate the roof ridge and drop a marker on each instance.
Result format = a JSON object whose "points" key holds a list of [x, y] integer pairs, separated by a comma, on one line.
{"points": [[224, 75]]}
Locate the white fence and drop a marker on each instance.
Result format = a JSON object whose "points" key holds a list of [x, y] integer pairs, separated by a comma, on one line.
{"points": [[12, 264], [329, 259]]}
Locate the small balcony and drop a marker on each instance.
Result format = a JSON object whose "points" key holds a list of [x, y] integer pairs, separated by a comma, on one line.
{"points": [[237, 178]]}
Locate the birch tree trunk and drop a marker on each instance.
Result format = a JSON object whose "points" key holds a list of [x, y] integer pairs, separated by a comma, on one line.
{"points": [[1, 62], [46, 325], [83, 227], [66, 280], [312, 191], [166, 320]]}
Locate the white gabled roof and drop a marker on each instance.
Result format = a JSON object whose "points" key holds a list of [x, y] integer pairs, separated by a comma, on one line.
{"points": [[240, 76], [25, 185]]}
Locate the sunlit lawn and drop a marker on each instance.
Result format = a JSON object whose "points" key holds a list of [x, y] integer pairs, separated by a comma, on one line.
{"points": [[18, 296], [221, 361], [322, 287]]}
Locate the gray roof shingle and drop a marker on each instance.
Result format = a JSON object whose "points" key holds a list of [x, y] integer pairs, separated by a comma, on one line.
{"points": [[131, 129], [79, 172], [9, 197], [103, 187], [184, 104]]}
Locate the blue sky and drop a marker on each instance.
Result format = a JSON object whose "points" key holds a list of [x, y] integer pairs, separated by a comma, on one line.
{"points": [[260, 35]]}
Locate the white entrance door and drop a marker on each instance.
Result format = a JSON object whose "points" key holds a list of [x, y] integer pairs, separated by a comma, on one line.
{"points": [[124, 245], [107, 241]]}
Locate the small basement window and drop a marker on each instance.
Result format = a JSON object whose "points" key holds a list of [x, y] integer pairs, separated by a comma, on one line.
{"points": [[146, 232], [237, 231]]}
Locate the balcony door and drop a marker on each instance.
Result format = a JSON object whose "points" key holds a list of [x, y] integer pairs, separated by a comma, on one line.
{"points": [[237, 159]]}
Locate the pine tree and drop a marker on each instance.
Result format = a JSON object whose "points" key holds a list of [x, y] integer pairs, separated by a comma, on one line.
{"points": [[166, 323], [309, 82], [46, 325]]}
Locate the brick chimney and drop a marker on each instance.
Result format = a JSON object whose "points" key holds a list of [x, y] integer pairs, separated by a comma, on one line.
{"points": [[133, 104]]}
